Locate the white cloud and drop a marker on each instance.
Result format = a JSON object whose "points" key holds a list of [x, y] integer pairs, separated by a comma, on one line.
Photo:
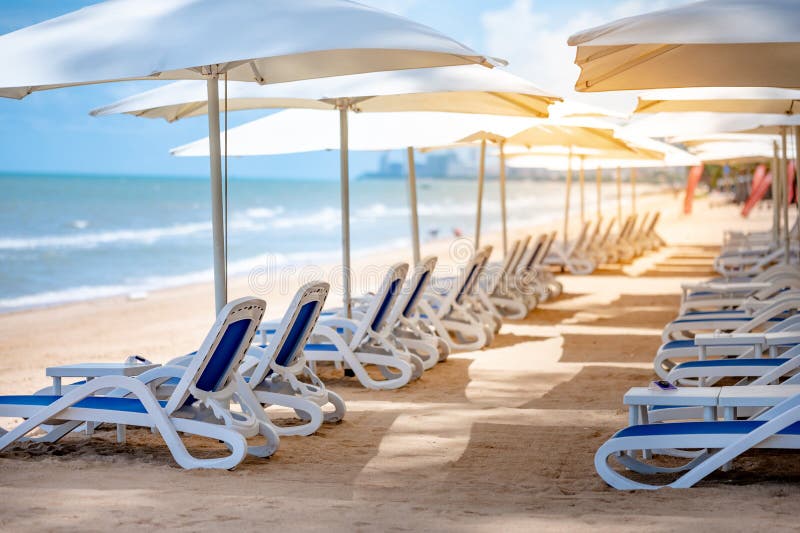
{"points": [[535, 43]]}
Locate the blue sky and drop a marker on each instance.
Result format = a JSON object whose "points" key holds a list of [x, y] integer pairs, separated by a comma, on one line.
{"points": [[51, 131]]}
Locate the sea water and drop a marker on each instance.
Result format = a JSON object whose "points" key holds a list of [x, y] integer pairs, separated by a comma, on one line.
{"points": [[67, 238]]}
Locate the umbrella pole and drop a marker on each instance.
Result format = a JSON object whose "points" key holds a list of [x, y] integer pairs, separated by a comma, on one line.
{"points": [[412, 202], [776, 219], [797, 170], [599, 179], [785, 196], [633, 190], [217, 226], [344, 177], [619, 198], [566, 199], [481, 176], [503, 214], [582, 179]]}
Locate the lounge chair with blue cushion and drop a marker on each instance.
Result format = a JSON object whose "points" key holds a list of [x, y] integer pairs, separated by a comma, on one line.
{"points": [[277, 372], [404, 323], [197, 406], [498, 291], [570, 255], [672, 353], [686, 326], [720, 442], [355, 343], [449, 309]]}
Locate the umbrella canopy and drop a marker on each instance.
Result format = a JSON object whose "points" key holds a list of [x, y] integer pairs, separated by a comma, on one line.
{"points": [[702, 123], [307, 130], [464, 89], [767, 100], [266, 41], [262, 41], [580, 137], [730, 43]]}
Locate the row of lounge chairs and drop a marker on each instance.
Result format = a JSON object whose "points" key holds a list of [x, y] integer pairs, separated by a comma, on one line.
{"points": [[597, 244], [740, 329], [245, 366]]}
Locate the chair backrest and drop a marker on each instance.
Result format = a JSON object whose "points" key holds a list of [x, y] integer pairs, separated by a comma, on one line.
{"points": [[628, 230], [286, 344], [593, 238], [545, 250], [607, 233], [381, 304], [519, 254], [581, 237], [643, 226], [223, 349], [482, 257], [653, 222], [500, 275], [413, 290], [528, 259]]}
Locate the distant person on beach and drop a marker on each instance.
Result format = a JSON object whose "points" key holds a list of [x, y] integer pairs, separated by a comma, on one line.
{"points": [[433, 234], [457, 232]]}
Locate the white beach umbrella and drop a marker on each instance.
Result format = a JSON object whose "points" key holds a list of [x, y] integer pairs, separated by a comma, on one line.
{"points": [[762, 100], [716, 43], [306, 130], [464, 89], [262, 41], [581, 134]]}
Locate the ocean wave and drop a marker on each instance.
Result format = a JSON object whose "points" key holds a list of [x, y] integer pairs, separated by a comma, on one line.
{"points": [[92, 240]]}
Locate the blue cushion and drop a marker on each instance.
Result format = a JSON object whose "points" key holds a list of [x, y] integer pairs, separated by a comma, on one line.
{"points": [[298, 330], [720, 312], [387, 301], [321, 347], [732, 362], [738, 427], [217, 368], [129, 405], [679, 344], [412, 302]]}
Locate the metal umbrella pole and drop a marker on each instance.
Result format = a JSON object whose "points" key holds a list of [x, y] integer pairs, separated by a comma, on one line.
{"points": [[566, 199], [217, 216], [412, 201], [599, 179], [503, 214], [344, 183], [582, 180], [619, 198], [481, 177]]}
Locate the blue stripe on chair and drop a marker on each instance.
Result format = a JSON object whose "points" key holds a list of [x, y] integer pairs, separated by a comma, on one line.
{"points": [[129, 405], [412, 302], [721, 319], [679, 344], [387, 300], [222, 358], [299, 328], [660, 407], [720, 312], [320, 347], [739, 427], [732, 363]]}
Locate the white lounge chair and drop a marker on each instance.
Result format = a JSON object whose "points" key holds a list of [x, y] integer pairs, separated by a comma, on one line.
{"points": [[722, 442], [275, 365], [353, 343], [197, 406], [448, 310]]}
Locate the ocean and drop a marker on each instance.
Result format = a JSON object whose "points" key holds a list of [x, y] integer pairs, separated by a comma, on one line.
{"points": [[67, 238]]}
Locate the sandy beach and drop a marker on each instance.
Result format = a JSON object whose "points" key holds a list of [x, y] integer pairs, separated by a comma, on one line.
{"points": [[497, 440]]}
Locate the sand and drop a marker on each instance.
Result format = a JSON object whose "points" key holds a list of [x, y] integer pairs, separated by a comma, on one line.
{"points": [[497, 440]]}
